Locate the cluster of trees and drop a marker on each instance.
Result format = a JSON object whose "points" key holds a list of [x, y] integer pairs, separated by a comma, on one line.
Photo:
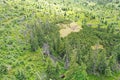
{"points": [[76, 53], [75, 59], [98, 61], [41, 33]]}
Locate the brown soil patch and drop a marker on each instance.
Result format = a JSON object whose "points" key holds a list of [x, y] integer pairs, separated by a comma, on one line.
{"points": [[66, 29]]}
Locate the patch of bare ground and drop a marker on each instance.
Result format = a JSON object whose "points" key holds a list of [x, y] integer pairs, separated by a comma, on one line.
{"points": [[66, 29], [94, 47]]}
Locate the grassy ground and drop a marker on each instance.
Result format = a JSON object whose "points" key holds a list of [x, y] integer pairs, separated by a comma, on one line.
{"points": [[102, 77]]}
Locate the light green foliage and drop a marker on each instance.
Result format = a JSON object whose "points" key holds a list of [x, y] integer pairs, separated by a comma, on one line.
{"points": [[25, 25], [76, 71]]}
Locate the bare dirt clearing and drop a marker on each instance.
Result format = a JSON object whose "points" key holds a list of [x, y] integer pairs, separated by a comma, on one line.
{"points": [[66, 29]]}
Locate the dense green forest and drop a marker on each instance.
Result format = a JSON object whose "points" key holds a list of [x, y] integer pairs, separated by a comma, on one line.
{"points": [[59, 39]]}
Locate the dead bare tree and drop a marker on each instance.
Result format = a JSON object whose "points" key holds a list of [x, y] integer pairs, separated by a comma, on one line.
{"points": [[45, 48]]}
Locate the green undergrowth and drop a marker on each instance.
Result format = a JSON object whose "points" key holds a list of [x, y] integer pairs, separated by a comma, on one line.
{"points": [[26, 66], [25, 25], [116, 76]]}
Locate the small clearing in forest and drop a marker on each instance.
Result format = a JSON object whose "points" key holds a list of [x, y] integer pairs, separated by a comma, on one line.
{"points": [[97, 47], [66, 29]]}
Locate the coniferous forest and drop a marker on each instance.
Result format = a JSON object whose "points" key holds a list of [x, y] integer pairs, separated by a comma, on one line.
{"points": [[59, 39]]}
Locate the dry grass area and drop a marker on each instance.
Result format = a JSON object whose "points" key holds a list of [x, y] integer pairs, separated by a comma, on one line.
{"points": [[98, 46], [66, 29]]}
